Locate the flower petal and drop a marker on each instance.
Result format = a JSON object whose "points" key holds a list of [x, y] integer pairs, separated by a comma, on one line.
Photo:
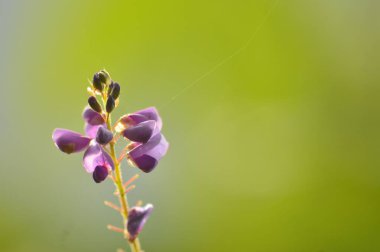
{"points": [[151, 113], [92, 117], [137, 218], [146, 156], [92, 130], [141, 132], [69, 141], [96, 156]]}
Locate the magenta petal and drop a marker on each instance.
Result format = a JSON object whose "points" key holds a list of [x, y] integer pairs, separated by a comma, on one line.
{"points": [[69, 141], [146, 156], [96, 156], [141, 132], [137, 218], [92, 117]]}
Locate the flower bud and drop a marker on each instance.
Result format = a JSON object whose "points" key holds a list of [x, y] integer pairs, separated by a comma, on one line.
{"points": [[110, 104], [110, 87], [97, 83], [115, 92], [94, 104], [100, 173], [103, 136], [105, 77]]}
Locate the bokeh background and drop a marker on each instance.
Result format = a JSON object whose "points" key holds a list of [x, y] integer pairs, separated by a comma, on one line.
{"points": [[271, 108]]}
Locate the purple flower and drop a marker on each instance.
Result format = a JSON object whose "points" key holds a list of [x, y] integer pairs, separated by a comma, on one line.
{"points": [[143, 128], [137, 217], [146, 156], [95, 160], [141, 125]]}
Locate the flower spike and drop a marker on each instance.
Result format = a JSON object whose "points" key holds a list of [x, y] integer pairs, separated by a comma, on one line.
{"points": [[145, 147]]}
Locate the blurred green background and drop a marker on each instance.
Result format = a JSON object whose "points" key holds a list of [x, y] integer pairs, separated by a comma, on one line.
{"points": [[271, 108]]}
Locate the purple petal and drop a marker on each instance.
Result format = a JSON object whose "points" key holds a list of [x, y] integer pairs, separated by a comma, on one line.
{"points": [[151, 113], [146, 156], [100, 173], [69, 141], [141, 133], [140, 116], [92, 117], [96, 156], [134, 119], [92, 130], [137, 218]]}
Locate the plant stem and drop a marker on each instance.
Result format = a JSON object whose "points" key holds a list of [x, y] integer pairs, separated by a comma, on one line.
{"points": [[135, 244]]}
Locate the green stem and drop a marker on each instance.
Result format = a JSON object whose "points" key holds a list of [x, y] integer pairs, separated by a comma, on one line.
{"points": [[135, 244]]}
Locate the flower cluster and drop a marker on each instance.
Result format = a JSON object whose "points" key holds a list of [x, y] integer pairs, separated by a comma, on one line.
{"points": [[144, 147], [143, 128]]}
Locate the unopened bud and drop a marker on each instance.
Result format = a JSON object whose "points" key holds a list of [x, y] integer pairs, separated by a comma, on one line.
{"points": [[105, 77], [110, 104], [110, 87], [97, 83], [115, 92], [94, 104]]}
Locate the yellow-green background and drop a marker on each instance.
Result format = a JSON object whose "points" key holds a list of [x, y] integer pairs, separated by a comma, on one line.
{"points": [[274, 147]]}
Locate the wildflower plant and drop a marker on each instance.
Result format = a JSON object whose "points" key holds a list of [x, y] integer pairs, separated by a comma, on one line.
{"points": [[144, 146]]}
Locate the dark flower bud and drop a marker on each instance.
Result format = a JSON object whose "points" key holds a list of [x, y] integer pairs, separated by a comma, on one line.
{"points": [[94, 104], [115, 92], [110, 87], [97, 82], [105, 77], [103, 136], [110, 104], [100, 173]]}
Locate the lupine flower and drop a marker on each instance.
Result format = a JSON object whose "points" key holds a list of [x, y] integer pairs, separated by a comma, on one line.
{"points": [[146, 146], [143, 128], [137, 218], [95, 160]]}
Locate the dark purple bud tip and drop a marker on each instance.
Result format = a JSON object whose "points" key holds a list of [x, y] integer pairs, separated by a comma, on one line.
{"points": [[104, 136], [110, 104], [146, 163], [104, 77], [137, 218], [94, 104], [146, 156], [100, 173], [115, 92], [141, 132], [97, 82]]}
